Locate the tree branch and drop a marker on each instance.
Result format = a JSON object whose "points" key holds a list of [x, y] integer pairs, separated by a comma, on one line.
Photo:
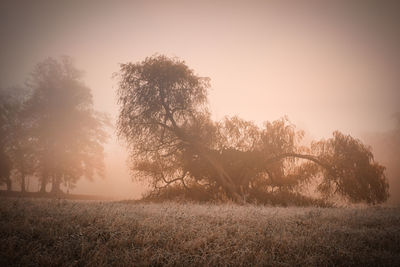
{"points": [[301, 156]]}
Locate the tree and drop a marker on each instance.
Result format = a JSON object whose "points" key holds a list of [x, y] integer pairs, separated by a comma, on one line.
{"points": [[352, 171], [165, 121], [16, 146], [5, 162], [159, 98], [67, 131], [5, 170], [386, 147]]}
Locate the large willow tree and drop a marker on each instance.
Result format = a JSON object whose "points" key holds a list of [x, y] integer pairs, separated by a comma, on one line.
{"points": [[165, 121]]}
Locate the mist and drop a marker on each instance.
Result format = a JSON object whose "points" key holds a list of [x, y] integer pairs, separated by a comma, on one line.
{"points": [[327, 66]]}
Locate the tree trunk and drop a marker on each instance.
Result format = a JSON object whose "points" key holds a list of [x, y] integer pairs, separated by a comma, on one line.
{"points": [[223, 178], [55, 185], [23, 185], [21, 166], [8, 183], [43, 183]]}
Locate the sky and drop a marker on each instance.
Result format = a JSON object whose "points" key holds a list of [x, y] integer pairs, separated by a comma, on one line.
{"points": [[327, 65]]}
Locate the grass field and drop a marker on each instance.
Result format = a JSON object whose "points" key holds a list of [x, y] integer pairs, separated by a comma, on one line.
{"points": [[75, 233]]}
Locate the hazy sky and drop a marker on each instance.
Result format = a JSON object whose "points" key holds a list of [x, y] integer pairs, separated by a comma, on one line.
{"points": [[332, 65]]}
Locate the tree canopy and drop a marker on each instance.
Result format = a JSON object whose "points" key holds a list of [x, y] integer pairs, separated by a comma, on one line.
{"points": [[50, 129], [68, 133], [16, 151], [172, 139]]}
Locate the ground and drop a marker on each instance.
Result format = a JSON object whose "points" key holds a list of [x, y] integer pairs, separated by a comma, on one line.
{"points": [[42, 232]]}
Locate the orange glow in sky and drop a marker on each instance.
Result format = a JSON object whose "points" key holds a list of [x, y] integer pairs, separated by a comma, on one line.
{"points": [[327, 66]]}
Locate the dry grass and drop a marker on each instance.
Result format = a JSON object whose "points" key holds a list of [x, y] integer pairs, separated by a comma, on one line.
{"points": [[64, 232]]}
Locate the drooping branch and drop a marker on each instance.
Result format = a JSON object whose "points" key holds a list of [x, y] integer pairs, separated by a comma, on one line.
{"points": [[301, 156]]}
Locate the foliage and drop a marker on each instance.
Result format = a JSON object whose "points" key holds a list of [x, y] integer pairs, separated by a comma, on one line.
{"points": [[16, 146], [68, 133], [50, 129], [172, 139], [159, 98], [352, 171]]}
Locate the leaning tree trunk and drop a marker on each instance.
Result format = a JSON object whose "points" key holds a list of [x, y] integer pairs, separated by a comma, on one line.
{"points": [[223, 177]]}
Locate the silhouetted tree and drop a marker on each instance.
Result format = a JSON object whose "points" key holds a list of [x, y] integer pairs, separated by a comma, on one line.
{"points": [[5, 170], [5, 162], [16, 143], [164, 119], [68, 133]]}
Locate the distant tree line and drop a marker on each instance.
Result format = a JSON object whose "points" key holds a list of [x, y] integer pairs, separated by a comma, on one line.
{"points": [[180, 151], [49, 129]]}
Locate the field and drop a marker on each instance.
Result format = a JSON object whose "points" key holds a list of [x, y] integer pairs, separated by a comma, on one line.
{"points": [[74, 233]]}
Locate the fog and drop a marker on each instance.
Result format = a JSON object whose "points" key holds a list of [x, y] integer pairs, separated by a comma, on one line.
{"points": [[327, 66]]}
